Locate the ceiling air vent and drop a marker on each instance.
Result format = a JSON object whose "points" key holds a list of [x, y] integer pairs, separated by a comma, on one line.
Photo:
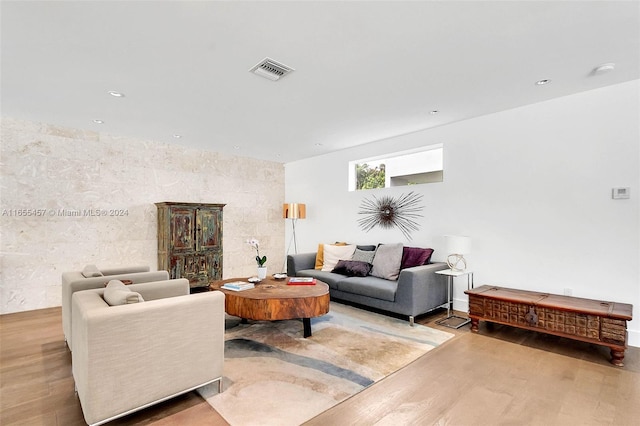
{"points": [[273, 70]]}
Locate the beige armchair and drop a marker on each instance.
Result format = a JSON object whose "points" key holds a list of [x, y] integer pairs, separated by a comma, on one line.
{"points": [[131, 356], [75, 281]]}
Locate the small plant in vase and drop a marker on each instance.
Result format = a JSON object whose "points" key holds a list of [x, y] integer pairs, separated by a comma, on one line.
{"points": [[262, 270]]}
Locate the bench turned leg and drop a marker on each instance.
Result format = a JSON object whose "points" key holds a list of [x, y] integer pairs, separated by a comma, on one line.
{"points": [[617, 358], [474, 325]]}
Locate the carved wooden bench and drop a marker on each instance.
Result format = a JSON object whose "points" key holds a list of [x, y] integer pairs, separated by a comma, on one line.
{"points": [[593, 321]]}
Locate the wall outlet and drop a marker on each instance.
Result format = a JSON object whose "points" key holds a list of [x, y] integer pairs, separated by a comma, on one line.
{"points": [[568, 291]]}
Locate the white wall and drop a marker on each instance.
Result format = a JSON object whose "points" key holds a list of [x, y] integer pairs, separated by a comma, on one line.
{"points": [[531, 186], [51, 168]]}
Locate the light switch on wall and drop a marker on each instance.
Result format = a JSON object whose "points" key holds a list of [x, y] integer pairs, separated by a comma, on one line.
{"points": [[620, 193]]}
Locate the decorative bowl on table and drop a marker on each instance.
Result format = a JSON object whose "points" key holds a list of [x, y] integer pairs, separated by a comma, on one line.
{"points": [[254, 280], [280, 276]]}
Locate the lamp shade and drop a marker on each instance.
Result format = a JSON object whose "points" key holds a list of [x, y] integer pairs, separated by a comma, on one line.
{"points": [[457, 244], [294, 211]]}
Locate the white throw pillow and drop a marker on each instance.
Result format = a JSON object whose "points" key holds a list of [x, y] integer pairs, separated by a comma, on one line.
{"points": [[116, 293], [90, 271], [332, 254]]}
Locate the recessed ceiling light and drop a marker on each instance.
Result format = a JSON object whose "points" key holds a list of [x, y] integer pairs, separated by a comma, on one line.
{"points": [[543, 82], [236, 147], [434, 112], [318, 144], [98, 121], [177, 136], [116, 94], [601, 69]]}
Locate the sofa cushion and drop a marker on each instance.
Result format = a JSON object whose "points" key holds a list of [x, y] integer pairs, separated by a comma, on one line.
{"points": [[363, 255], [352, 268], [116, 293], [386, 263], [333, 253], [377, 288], [414, 256], [90, 271]]}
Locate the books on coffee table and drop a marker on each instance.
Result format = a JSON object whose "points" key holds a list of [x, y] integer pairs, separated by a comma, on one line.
{"points": [[302, 281], [237, 286]]}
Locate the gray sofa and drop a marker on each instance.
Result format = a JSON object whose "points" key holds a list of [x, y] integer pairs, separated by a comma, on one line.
{"points": [[417, 290]]}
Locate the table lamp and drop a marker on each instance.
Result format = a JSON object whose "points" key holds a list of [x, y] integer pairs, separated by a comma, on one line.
{"points": [[457, 246]]}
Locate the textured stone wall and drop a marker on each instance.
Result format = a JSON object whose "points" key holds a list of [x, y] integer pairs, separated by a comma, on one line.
{"points": [[72, 197]]}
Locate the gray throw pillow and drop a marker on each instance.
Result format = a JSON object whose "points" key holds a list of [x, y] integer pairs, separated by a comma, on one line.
{"points": [[363, 256], [386, 263], [116, 293]]}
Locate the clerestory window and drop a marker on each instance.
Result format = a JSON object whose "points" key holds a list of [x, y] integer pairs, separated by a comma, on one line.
{"points": [[414, 167]]}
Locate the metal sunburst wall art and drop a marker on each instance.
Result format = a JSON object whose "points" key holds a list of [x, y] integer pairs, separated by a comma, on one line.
{"points": [[389, 212]]}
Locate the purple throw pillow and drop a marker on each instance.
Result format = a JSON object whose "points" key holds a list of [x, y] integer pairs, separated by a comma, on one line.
{"points": [[414, 256], [352, 268]]}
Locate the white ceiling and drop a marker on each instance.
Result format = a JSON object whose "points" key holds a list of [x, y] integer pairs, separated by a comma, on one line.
{"points": [[364, 70]]}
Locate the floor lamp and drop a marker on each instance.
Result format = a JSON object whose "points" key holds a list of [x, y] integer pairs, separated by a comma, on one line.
{"points": [[293, 211]]}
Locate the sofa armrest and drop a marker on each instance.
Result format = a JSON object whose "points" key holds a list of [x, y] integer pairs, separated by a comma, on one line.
{"points": [[125, 270], [421, 289], [299, 262], [130, 355]]}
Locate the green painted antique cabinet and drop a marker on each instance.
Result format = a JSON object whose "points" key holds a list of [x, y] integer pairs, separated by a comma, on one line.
{"points": [[190, 241]]}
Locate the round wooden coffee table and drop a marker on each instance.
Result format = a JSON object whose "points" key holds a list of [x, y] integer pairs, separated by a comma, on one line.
{"points": [[272, 300]]}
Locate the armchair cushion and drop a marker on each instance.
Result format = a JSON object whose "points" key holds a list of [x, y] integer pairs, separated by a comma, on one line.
{"points": [[91, 271], [116, 293]]}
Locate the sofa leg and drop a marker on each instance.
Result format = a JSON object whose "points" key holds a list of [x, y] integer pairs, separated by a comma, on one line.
{"points": [[411, 321]]}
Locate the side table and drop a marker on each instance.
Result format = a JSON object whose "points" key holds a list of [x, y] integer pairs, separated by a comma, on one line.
{"points": [[451, 320]]}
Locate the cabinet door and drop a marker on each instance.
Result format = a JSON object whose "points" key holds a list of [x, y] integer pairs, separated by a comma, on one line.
{"points": [[182, 230], [192, 267], [214, 265], [208, 229]]}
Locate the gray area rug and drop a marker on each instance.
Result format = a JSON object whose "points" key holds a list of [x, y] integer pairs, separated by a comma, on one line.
{"points": [[274, 376]]}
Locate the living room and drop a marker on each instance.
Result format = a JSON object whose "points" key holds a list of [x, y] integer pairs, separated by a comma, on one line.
{"points": [[531, 184]]}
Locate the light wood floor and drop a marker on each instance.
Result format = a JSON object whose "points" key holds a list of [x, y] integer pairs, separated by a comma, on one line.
{"points": [[501, 376]]}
